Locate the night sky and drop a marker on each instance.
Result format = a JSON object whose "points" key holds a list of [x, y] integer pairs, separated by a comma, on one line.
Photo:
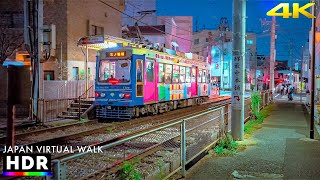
{"points": [[209, 12]]}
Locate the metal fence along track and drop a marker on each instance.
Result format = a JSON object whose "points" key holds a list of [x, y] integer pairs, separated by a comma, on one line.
{"points": [[157, 152]]}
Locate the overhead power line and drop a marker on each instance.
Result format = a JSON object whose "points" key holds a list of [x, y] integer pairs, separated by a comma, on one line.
{"points": [[142, 21], [169, 23]]}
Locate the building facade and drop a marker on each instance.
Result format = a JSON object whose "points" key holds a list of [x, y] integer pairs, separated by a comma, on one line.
{"points": [[178, 29], [73, 20], [221, 53]]}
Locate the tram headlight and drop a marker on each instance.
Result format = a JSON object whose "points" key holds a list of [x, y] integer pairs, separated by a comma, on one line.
{"points": [[121, 95], [103, 95]]}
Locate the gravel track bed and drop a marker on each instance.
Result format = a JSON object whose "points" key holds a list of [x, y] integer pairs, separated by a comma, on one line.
{"points": [[44, 136], [93, 163], [116, 128]]}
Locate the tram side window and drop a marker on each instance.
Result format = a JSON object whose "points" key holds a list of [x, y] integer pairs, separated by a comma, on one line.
{"points": [[182, 74], [204, 76], [199, 76], [139, 70], [168, 74], [193, 78], [161, 73], [150, 73], [208, 77], [188, 77], [176, 72]]}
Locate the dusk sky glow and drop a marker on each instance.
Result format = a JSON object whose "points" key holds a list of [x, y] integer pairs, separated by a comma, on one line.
{"points": [[209, 12]]}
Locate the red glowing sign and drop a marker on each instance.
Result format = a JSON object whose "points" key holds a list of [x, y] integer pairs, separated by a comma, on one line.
{"points": [[116, 54], [113, 81]]}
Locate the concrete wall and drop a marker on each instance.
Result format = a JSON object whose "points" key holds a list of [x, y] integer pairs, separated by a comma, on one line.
{"points": [[181, 26]]}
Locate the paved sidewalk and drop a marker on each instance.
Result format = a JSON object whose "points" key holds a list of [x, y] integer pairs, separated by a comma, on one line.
{"points": [[281, 151]]}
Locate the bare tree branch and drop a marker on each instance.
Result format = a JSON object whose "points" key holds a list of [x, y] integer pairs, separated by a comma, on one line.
{"points": [[10, 40]]}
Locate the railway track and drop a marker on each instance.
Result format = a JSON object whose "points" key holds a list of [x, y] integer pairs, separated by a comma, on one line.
{"points": [[109, 169], [158, 121], [62, 134], [150, 150], [122, 135], [38, 132], [99, 164], [118, 128]]}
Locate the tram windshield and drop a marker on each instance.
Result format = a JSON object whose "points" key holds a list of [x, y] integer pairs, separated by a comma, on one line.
{"points": [[114, 71]]}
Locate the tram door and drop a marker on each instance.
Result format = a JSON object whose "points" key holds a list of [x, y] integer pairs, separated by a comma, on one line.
{"points": [[194, 79], [149, 81]]}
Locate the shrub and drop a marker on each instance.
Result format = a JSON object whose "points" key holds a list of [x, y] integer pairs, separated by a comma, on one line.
{"points": [[255, 103], [226, 145], [129, 171]]}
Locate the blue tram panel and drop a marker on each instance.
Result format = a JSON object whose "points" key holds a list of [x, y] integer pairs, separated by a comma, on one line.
{"points": [[115, 83]]}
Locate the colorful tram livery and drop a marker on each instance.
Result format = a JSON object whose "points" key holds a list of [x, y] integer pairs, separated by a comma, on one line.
{"points": [[133, 82]]}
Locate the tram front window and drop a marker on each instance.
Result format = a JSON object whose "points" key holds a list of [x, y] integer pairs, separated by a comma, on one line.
{"points": [[114, 70]]}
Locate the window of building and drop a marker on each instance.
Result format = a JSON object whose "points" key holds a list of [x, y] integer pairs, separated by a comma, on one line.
{"points": [[249, 41], [196, 41], [161, 73], [48, 75], [225, 66], [97, 30], [75, 73], [168, 74], [188, 75], [182, 74], [176, 73], [207, 39]]}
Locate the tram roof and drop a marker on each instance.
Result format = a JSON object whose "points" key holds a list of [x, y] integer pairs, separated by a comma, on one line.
{"points": [[102, 42], [106, 41]]}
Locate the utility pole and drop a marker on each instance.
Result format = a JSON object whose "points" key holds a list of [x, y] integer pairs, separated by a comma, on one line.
{"points": [[61, 67], [301, 78], [291, 62], [255, 72], [197, 24], [86, 71], [238, 63], [272, 53], [33, 37], [222, 58], [40, 77], [313, 57]]}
